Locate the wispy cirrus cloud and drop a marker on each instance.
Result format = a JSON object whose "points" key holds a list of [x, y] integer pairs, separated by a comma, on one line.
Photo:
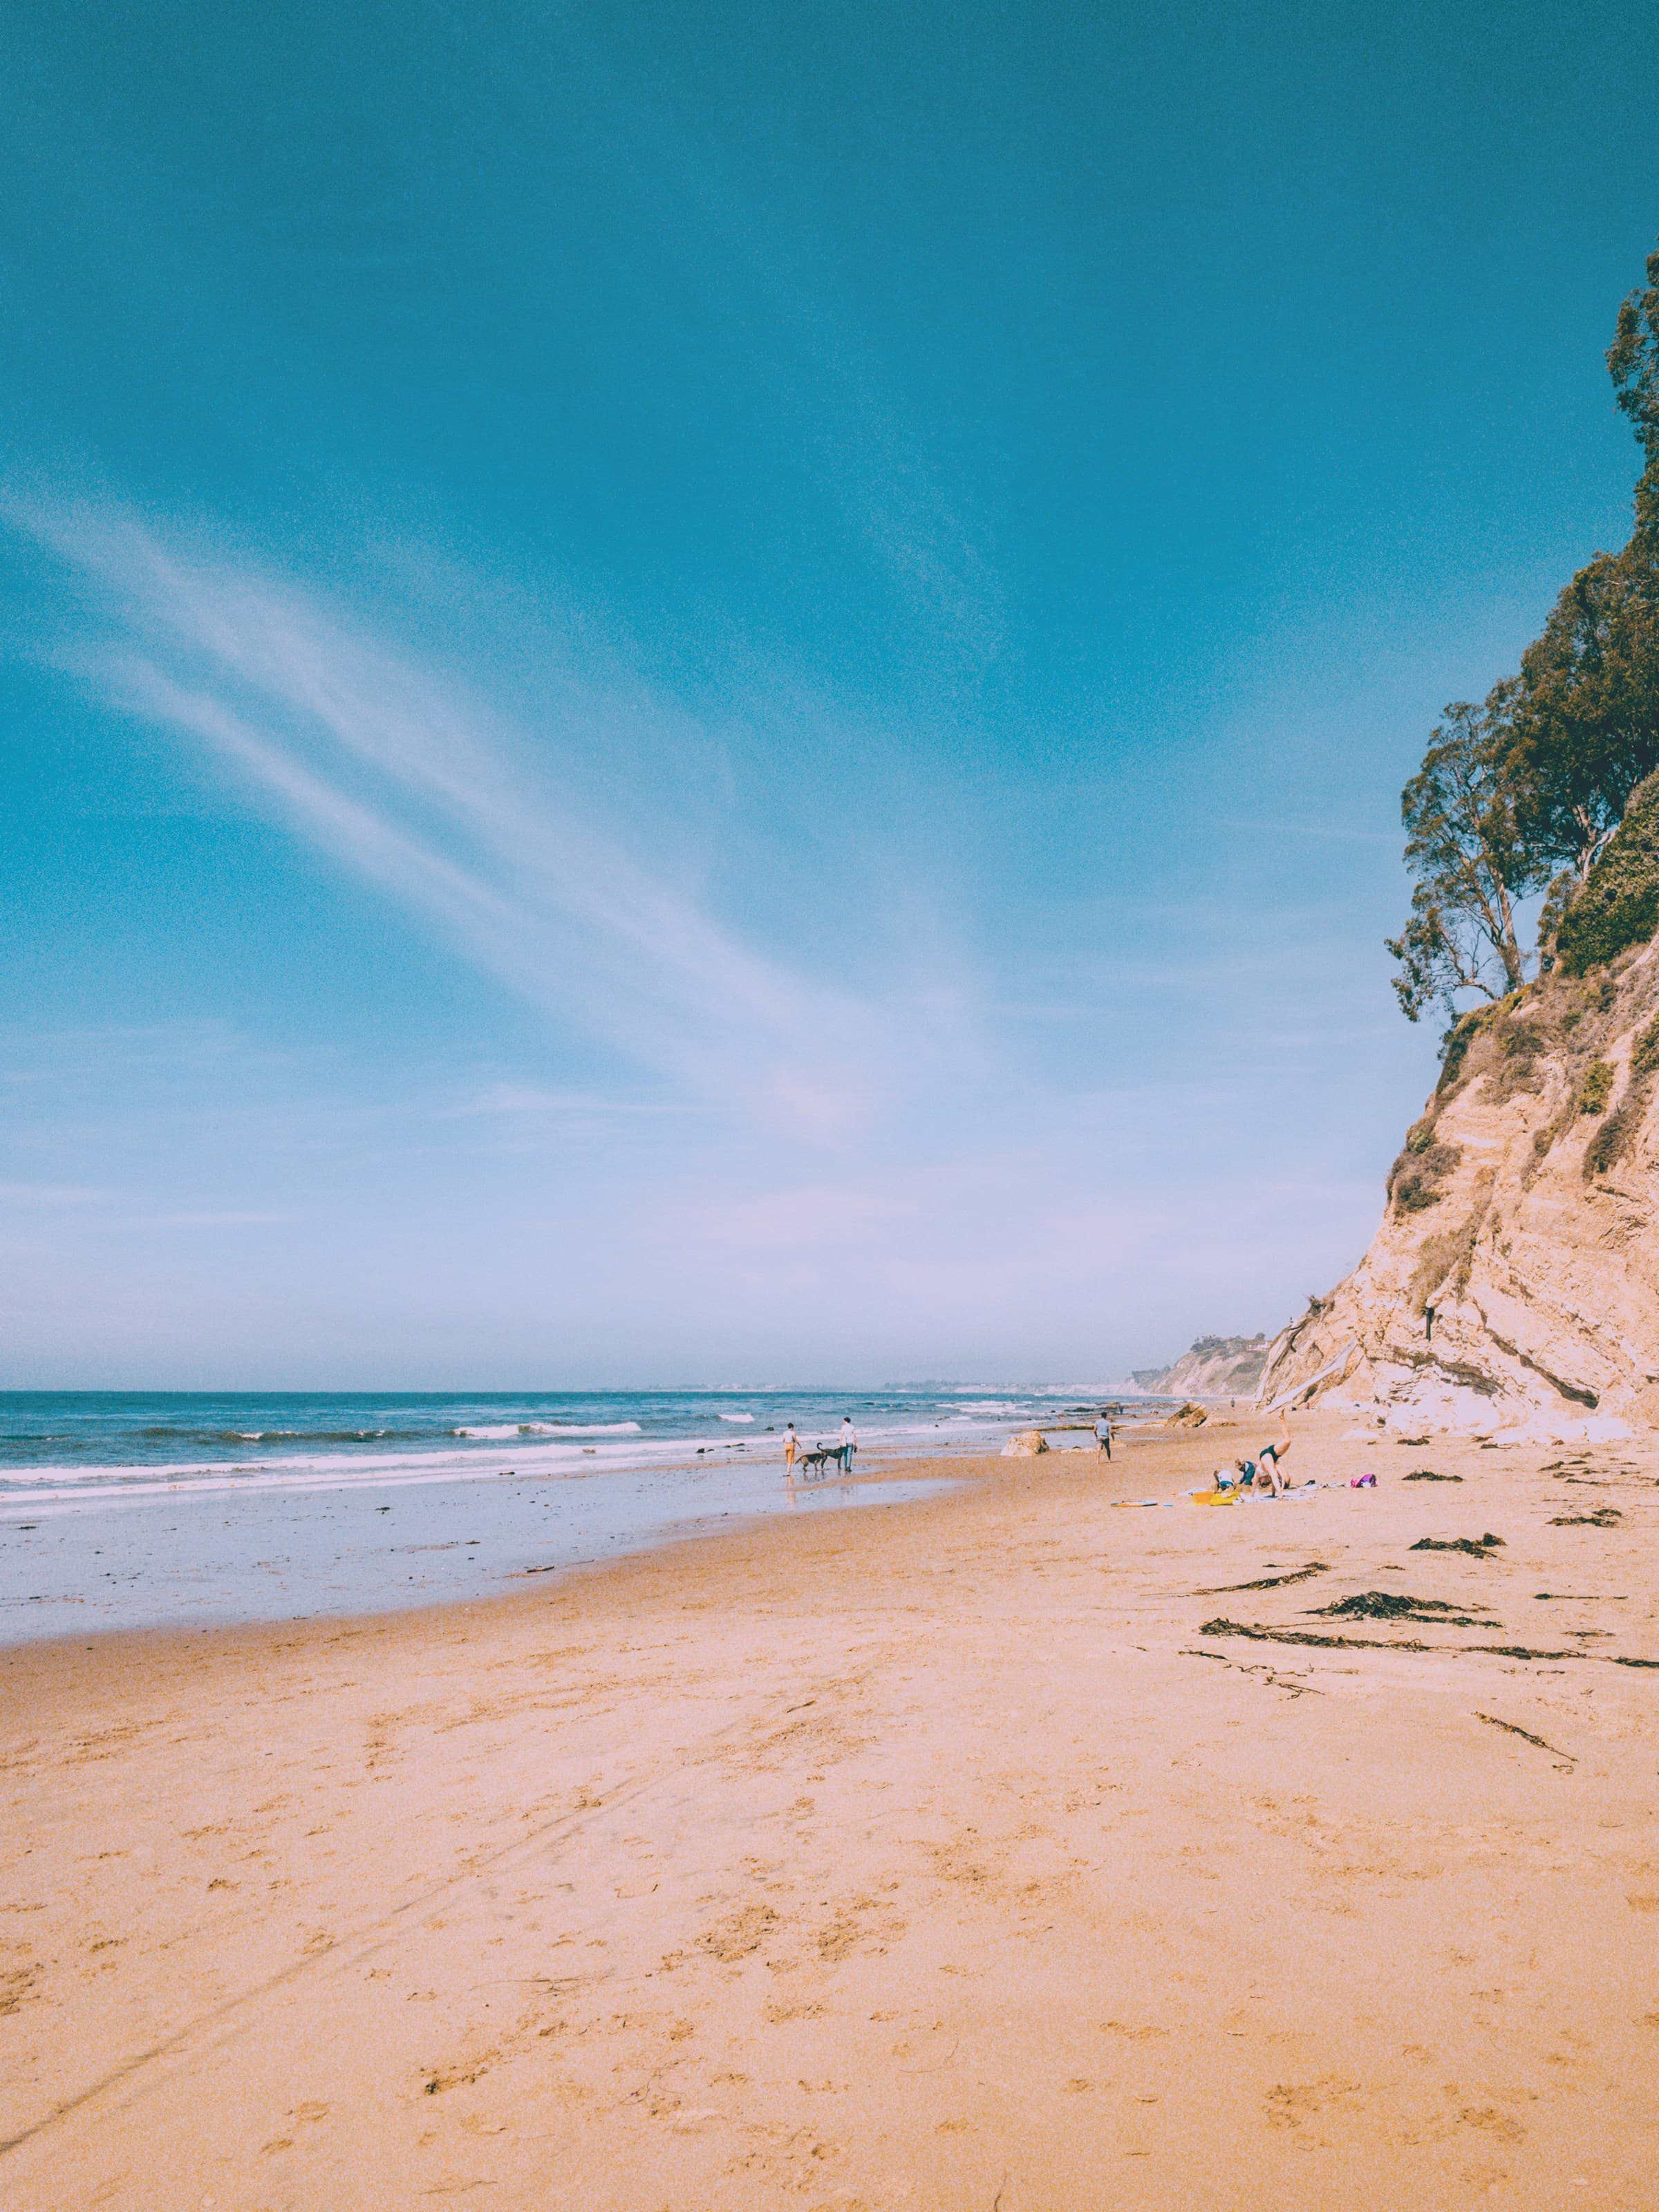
{"points": [[52, 1193], [226, 1220], [421, 786], [538, 1099]]}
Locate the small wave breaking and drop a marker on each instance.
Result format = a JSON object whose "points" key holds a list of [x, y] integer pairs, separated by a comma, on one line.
{"points": [[495, 1431]]}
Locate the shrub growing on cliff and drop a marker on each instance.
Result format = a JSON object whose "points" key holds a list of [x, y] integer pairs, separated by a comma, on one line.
{"points": [[1597, 1088], [1645, 1054], [1459, 1038], [1615, 1136], [1446, 1259], [1412, 1183]]}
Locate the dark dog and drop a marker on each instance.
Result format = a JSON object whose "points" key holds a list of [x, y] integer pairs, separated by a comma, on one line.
{"points": [[814, 1462]]}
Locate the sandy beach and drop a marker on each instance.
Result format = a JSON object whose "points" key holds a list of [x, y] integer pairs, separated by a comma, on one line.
{"points": [[1004, 1851]]}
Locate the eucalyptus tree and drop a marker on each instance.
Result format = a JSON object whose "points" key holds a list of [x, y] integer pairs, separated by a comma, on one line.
{"points": [[1585, 714], [1472, 863], [1634, 365], [1528, 789]]}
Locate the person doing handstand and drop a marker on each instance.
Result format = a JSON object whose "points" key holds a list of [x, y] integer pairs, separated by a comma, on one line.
{"points": [[1269, 1475]]}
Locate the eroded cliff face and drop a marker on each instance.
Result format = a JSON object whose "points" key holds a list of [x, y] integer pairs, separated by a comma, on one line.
{"points": [[1215, 1367], [1513, 1285]]}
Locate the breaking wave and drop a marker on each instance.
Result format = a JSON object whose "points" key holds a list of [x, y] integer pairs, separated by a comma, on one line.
{"points": [[496, 1430]]}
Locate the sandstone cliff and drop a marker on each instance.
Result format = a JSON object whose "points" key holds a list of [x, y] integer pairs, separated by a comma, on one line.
{"points": [[1215, 1367], [1513, 1285]]}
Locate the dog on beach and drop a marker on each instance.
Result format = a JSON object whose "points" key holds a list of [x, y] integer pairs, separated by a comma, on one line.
{"points": [[814, 1462]]}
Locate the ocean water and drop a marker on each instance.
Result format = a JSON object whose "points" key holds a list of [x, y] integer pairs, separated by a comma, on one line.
{"points": [[124, 1509]]}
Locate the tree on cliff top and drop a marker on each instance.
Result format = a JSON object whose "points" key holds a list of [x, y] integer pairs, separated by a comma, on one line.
{"points": [[1530, 789], [1586, 711], [1634, 365], [1464, 845]]}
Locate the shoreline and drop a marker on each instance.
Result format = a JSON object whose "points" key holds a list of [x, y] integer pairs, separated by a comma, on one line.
{"points": [[107, 1563], [878, 1859], [322, 1552]]}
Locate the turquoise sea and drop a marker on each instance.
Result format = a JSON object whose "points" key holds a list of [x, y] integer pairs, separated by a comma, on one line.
{"points": [[124, 1509]]}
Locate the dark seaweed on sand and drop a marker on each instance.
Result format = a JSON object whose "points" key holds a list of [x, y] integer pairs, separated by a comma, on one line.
{"points": [[1527, 1736], [1480, 1547], [1605, 1516], [1269, 1581], [1222, 1626], [1257, 1634], [1524, 1651], [1395, 1605], [1428, 1475]]}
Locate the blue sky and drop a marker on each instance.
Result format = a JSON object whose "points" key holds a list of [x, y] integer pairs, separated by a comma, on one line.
{"points": [[719, 693]]}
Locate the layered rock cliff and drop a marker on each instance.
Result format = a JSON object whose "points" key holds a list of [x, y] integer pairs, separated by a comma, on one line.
{"points": [[1513, 1285], [1215, 1367]]}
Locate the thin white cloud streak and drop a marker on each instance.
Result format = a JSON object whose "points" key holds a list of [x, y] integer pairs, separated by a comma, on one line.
{"points": [[52, 1193], [208, 1221], [508, 1098], [428, 794], [872, 460]]}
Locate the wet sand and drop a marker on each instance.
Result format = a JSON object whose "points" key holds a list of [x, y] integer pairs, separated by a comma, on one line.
{"points": [[958, 1853]]}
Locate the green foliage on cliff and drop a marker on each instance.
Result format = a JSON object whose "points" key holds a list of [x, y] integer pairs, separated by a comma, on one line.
{"points": [[1544, 786], [1645, 1054], [1464, 846], [1619, 905], [1634, 365], [1414, 1180], [1597, 1088], [1446, 1259]]}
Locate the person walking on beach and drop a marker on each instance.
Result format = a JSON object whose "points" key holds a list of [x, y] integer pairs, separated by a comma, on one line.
{"points": [[849, 1442], [790, 1448], [1103, 1435]]}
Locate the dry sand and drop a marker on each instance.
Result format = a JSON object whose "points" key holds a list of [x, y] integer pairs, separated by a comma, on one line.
{"points": [[931, 1857]]}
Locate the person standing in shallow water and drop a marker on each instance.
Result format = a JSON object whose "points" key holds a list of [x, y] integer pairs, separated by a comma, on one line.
{"points": [[790, 1448], [849, 1442]]}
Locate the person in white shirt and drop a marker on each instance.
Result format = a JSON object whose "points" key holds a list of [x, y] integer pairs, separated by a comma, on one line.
{"points": [[849, 1442], [790, 1449]]}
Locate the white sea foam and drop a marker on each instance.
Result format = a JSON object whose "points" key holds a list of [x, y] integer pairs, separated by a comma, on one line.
{"points": [[530, 1451], [24, 1487], [555, 1429], [737, 1417]]}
